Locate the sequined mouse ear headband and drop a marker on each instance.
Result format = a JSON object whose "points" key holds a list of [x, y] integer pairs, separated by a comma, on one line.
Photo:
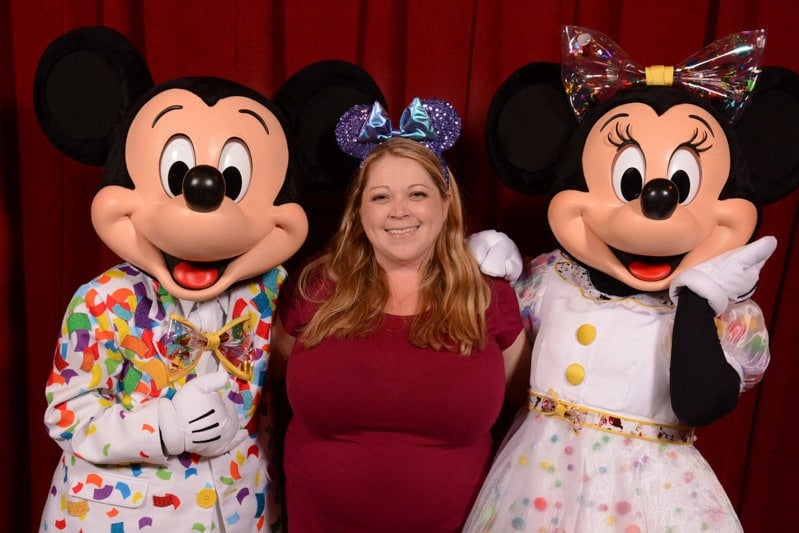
{"points": [[431, 122], [723, 73]]}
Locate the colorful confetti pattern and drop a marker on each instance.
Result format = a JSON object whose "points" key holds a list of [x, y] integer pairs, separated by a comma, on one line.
{"points": [[109, 367]]}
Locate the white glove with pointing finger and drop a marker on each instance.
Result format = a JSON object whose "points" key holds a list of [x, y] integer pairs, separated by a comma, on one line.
{"points": [[729, 277], [199, 419], [496, 253]]}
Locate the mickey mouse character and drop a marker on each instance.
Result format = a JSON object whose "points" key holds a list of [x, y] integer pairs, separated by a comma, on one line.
{"points": [[157, 390], [642, 321]]}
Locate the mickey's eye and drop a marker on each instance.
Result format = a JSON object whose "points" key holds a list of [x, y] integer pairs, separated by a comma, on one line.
{"points": [[628, 173], [236, 166], [684, 172], [176, 159]]}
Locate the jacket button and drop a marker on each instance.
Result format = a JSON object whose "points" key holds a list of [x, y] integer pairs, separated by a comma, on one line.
{"points": [[206, 498]]}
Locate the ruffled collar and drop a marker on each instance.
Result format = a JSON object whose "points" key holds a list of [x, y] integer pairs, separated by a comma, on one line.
{"points": [[577, 275]]}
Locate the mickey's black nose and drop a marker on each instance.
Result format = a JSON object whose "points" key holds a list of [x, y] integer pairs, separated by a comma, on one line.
{"points": [[203, 188], [659, 199]]}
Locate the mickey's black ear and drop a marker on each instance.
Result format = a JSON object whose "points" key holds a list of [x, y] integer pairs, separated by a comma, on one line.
{"points": [[528, 126], [768, 133], [313, 99], [84, 82]]}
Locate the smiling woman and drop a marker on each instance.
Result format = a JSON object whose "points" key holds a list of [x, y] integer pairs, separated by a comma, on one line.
{"points": [[402, 213], [399, 351]]}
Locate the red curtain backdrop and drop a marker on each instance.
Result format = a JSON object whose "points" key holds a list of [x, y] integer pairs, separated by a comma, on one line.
{"points": [[457, 50]]}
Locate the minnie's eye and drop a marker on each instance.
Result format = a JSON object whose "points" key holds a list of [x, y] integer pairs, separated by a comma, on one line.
{"points": [[685, 174], [236, 166], [628, 173], [177, 158]]}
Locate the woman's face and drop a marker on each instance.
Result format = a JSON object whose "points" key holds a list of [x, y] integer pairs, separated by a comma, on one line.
{"points": [[402, 212]]}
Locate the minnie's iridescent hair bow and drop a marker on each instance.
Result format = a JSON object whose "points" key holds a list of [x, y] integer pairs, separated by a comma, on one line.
{"points": [[723, 73], [431, 122]]}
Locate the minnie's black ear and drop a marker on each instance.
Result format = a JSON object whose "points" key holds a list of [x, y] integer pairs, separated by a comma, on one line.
{"points": [[84, 82], [528, 126], [313, 99], [768, 133]]}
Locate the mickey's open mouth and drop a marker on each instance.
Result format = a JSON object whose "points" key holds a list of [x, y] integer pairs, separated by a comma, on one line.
{"points": [[647, 267], [195, 275]]}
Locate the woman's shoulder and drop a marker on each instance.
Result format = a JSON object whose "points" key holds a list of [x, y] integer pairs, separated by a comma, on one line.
{"points": [[316, 283], [496, 284], [501, 290], [302, 294], [307, 285], [502, 314]]}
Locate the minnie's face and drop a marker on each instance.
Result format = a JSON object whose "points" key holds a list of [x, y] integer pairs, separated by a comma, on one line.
{"points": [[201, 215], [652, 208]]}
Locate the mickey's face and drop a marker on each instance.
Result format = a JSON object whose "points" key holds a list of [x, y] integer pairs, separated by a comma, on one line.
{"points": [[652, 208], [201, 215]]}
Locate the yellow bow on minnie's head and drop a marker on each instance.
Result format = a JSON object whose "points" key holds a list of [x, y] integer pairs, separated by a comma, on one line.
{"points": [[232, 345]]}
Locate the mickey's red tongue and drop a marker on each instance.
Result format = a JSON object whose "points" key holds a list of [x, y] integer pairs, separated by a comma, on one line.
{"points": [[195, 277], [648, 271]]}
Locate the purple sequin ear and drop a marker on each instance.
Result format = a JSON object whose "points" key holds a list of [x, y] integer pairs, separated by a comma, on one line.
{"points": [[446, 124], [432, 122], [348, 131]]}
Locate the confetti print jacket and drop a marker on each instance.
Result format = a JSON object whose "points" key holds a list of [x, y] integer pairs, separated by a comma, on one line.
{"points": [[111, 363]]}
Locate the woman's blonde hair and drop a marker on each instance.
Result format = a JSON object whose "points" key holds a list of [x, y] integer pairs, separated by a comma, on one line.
{"points": [[453, 295]]}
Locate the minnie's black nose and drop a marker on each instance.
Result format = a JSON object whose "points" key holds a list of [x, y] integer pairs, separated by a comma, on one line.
{"points": [[203, 188], [659, 199]]}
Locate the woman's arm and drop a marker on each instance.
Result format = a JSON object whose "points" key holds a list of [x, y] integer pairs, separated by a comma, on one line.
{"points": [[281, 345], [517, 370]]}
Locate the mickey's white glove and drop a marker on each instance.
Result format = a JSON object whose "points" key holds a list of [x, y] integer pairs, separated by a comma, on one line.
{"points": [[730, 277], [496, 253], [198, 419]]}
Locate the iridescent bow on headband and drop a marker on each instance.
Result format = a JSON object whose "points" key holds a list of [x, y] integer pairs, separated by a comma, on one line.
{"points": [[723, 73], [414, 124], [431, 122]]}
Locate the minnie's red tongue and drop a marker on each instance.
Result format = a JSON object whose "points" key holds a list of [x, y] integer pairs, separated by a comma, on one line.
{"points": [[649, 272], [193, 277]]}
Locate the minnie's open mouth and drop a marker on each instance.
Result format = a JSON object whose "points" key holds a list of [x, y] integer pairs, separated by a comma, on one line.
{"points": [[195, 275], [648, 267]]}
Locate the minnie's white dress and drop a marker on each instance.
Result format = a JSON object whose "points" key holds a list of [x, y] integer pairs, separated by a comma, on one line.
{"points": [[600, 448]]}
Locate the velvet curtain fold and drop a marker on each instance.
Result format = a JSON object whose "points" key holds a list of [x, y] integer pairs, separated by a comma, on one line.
{"points": [[457, 50]]}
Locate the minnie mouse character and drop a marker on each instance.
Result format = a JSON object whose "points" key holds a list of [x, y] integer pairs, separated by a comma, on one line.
{"points": [[642, 321], [157, 390]]}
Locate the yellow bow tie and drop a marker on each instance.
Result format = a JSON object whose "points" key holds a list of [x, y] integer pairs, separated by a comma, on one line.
{"points": [[232, 345]]}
